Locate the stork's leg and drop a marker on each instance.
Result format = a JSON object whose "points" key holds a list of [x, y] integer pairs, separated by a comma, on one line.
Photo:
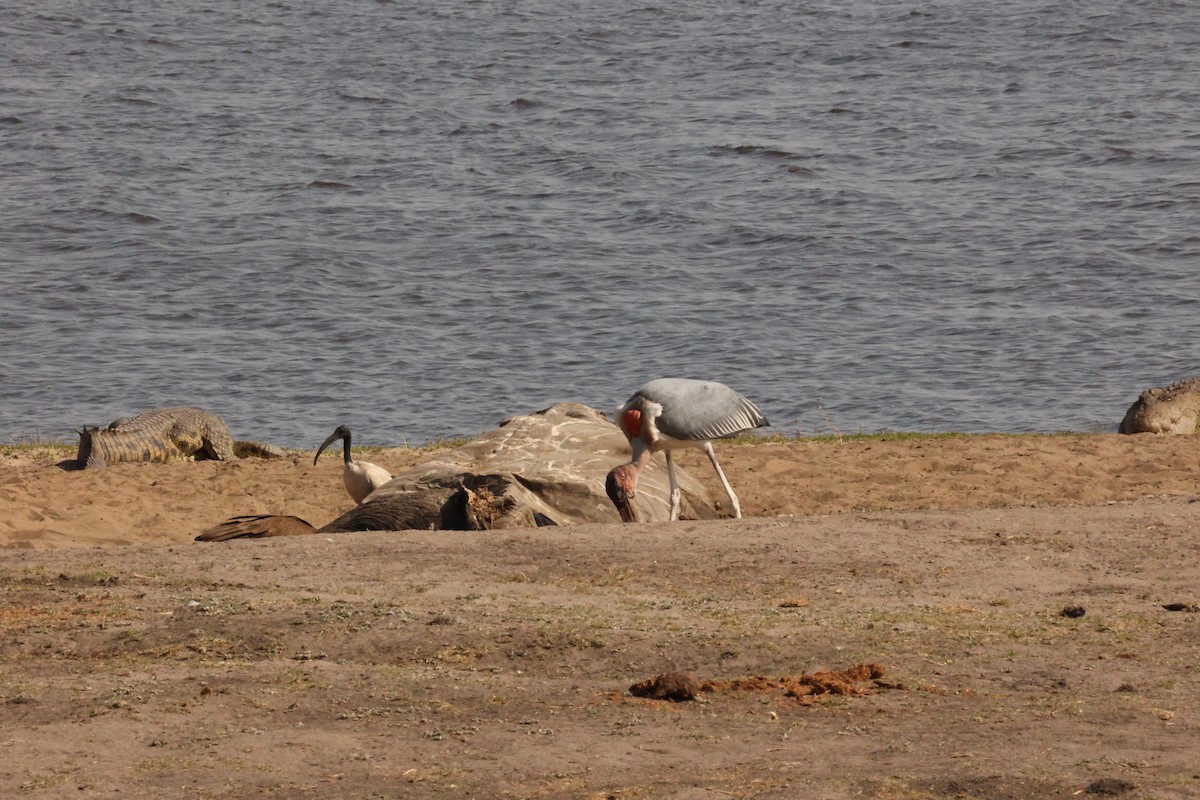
{"points": [[676, 493], [733, 501]]}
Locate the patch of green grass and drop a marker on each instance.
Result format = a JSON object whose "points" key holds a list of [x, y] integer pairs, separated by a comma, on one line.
{"points": [[430, 446], [39, 783], [168, 764], [99, 577], [370, 449], [38, 450], [443, 443]]}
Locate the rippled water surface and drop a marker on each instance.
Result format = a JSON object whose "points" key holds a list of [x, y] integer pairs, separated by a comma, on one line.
{"points": [[418, 218]]}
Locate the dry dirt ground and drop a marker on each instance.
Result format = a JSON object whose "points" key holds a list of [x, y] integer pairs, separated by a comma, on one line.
{"points": [[1028, 604]]}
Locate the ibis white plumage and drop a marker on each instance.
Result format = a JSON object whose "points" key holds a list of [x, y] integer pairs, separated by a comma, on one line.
{"points": [[360, 477], [671, 413]]}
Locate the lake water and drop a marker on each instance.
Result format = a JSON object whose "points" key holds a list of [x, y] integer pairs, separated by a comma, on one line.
{"points": [[419, 218]]}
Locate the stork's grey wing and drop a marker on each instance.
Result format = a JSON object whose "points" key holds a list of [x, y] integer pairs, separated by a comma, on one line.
{"points": [[699, 410]]}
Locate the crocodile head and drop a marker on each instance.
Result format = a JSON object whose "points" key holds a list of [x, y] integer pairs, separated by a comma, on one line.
{"points": [[1169, 409]]}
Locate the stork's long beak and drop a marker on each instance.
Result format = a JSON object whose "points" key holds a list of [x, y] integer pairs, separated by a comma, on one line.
{"points": [[622, 499]]}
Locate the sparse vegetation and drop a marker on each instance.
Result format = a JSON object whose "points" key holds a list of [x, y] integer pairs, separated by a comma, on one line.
{"points": [[881, 436], [38, 451], [413, 663]]}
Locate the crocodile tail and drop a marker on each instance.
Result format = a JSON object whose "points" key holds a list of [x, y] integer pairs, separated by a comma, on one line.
{"points": [[248, 448]]}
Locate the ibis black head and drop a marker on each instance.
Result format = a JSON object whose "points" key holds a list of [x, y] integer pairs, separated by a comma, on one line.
{"points": [[340, 432]]}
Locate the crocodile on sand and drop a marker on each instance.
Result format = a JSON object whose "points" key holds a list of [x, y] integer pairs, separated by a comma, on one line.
{"points": [[165, 434], [1165, 409]]}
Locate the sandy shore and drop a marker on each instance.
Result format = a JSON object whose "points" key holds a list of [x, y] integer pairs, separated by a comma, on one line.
{"points": [[1030, 601], [44, 507]]}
